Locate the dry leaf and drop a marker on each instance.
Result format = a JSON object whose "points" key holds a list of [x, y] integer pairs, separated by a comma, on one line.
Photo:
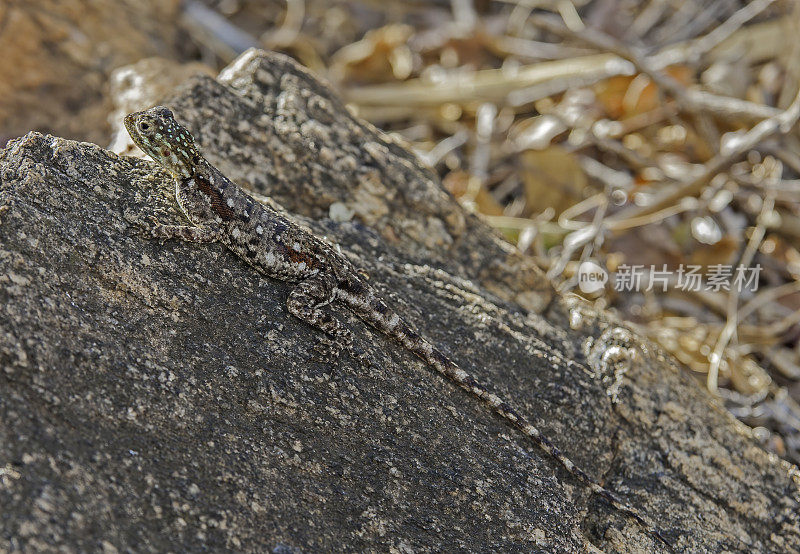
{"points": [[382, 55], [553, 178], [625, 96], [458, 183]]}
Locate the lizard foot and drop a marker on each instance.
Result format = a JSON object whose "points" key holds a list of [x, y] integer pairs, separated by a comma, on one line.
{"points": [[327, 350], [358, 355]]}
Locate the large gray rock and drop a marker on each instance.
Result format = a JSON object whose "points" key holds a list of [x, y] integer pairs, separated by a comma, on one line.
{"points": [[157, 397]]}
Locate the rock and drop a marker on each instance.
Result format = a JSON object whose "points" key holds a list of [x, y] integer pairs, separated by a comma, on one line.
{"points": [[58, 55], [157, 397]]}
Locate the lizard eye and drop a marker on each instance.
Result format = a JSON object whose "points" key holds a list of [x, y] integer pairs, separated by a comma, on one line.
{"points": [[144, 126]]}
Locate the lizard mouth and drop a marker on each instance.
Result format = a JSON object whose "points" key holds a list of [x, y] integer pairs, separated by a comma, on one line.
{"points": [[130, 126]]}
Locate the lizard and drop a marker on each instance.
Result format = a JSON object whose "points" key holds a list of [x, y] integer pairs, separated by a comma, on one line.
{"points": [[218, 210]]}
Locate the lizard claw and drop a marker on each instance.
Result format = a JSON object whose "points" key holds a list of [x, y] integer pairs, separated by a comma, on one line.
{"points": [[359, 355], [140, 226], [326, 351]]}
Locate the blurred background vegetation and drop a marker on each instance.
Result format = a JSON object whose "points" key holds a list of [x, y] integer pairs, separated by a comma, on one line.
{"points": [[657, 133]]}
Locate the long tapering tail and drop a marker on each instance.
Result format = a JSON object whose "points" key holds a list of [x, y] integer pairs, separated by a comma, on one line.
{"points": [[376, 313]]}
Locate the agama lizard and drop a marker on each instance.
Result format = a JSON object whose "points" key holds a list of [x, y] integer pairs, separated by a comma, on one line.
{"points": [[219, 211]]}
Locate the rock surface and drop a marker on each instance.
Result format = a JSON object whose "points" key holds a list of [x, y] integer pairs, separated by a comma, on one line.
{"points": [[157, 397], [58, 55]]}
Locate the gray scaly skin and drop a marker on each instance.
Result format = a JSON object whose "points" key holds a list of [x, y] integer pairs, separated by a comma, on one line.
{"points": [[219, 210]]}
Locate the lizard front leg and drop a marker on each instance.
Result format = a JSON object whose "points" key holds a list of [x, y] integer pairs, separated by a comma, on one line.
{"points": [[308, 301]]}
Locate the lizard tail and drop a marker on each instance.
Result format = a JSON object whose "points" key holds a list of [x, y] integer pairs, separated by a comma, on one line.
{"points": [[387, 321]]}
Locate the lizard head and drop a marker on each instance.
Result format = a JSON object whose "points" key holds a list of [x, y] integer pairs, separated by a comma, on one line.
{"points": [[165, 140]]}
